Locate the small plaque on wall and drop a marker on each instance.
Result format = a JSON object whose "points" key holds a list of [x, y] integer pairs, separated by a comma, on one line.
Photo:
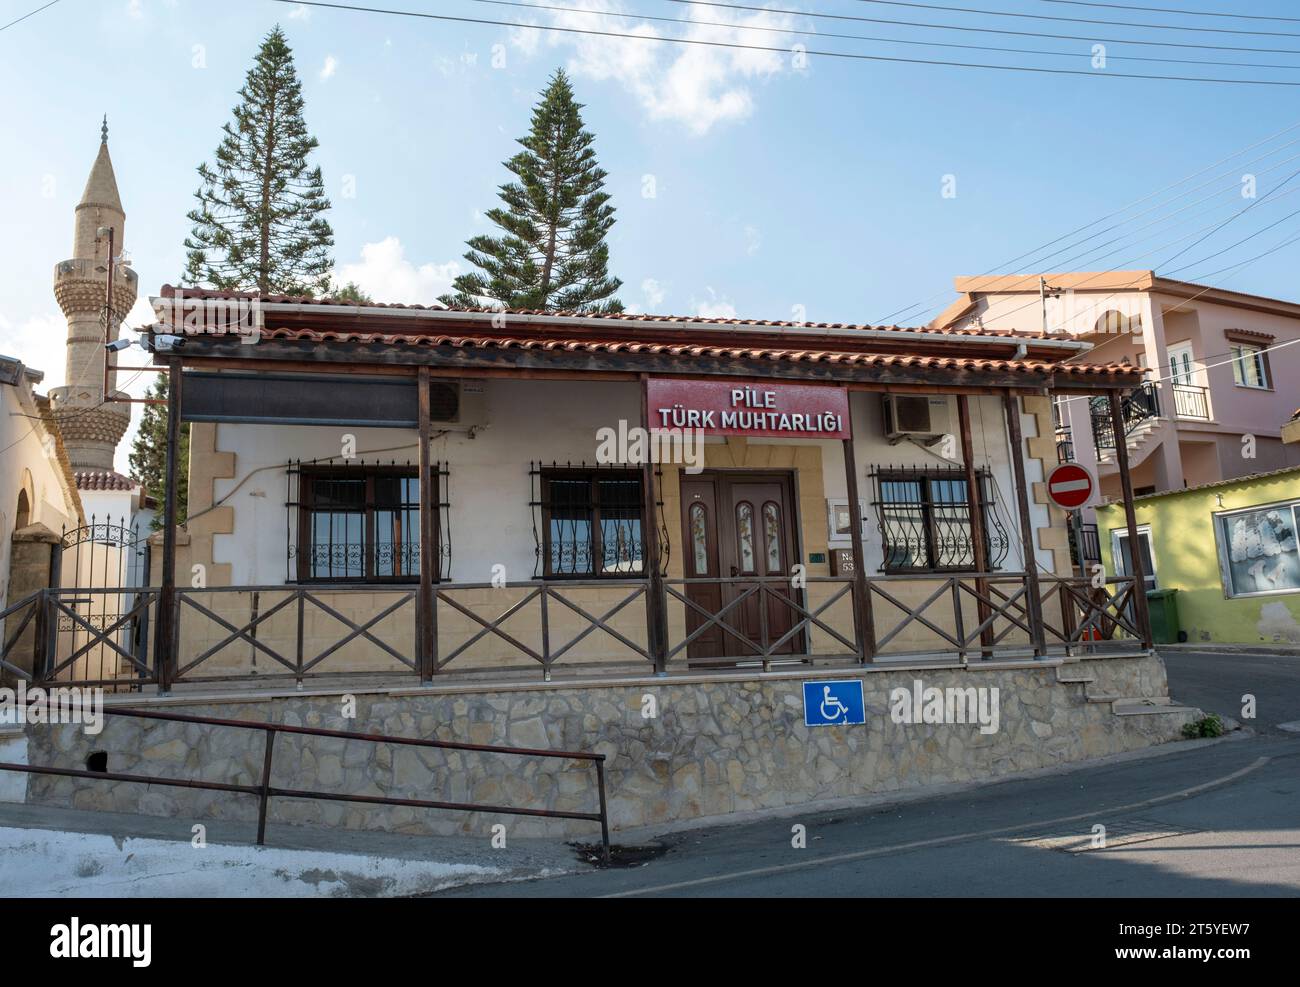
{"points": [[841, 561]]}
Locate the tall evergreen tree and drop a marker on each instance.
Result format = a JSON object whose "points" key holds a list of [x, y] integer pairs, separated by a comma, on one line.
{"points": [[556, 217], [148, 456], [259, 224]]}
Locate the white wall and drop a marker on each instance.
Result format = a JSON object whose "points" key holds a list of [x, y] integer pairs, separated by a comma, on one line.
{"points": [[489, 486]]}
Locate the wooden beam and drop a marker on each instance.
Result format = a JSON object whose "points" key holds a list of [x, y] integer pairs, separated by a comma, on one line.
{"points": [[1140, 609], [862, 615], [656, 599], [975, 491], [164, 645], [482, 357], [426, 605], [1011, 406]]}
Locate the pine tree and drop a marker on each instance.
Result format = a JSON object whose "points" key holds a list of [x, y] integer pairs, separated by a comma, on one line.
{"points": [[259, 223], [148, 456], [556, 217], [350, 292]]}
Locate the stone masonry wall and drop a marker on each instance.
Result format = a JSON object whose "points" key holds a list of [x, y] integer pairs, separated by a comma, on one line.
{"points": [[718, 745]]}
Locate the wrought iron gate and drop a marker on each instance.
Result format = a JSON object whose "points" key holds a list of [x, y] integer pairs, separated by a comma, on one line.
{"points": [[100, 620]]}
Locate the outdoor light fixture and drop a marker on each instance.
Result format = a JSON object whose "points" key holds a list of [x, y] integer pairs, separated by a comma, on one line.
{"points": [[117, 345]]}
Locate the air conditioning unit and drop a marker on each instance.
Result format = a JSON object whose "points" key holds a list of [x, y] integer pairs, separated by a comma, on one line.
{"points": [[915, 415], [457, 402]]}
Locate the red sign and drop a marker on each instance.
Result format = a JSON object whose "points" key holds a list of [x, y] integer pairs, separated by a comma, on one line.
{"points": [[792, 411], [1070, 486]]}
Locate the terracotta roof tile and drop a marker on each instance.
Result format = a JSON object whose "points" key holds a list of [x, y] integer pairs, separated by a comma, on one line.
{"points": [[668, 321], [458, 341], [103, 480]]}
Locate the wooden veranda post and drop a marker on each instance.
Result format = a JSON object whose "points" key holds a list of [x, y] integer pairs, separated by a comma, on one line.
{"points": [[656, 605], [861, 600], [426, 620], [975, 493], [1011, 407], [164, 652], [1130, 518]]}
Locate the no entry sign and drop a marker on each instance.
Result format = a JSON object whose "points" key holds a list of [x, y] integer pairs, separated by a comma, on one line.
{"points": [[1070, 486]]}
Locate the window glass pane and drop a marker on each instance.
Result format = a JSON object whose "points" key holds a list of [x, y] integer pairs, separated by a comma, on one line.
{"points": [[700, 539], [1260, 550], [593, 523], [905, 539], [772, 537], [620, 543], [1238, 370], [950, 512], [745, 535]]}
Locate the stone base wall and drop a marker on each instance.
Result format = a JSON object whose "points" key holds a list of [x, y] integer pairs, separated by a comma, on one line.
{"points": [[716, 745]]}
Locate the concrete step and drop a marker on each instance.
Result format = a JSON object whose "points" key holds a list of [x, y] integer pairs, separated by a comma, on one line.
{"points": [[1144, 707]]}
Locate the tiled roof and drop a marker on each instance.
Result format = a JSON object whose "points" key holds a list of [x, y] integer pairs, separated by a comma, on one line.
{"points": [[103, 480], [668, 321], [801, 355]]}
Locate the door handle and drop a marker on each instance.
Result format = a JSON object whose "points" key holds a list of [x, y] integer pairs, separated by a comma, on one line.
{"points": [[734, 572]]}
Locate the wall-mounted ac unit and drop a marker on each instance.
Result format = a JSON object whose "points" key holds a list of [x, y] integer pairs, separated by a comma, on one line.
{"points": [[457, 402], [915, 414]]}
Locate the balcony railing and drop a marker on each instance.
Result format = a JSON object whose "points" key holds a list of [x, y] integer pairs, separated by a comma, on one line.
{"points": [[1191, 401], [1064, 445], [1137, 406]]}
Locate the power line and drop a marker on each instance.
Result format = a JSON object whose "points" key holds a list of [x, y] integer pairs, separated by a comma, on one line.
{"points": [[780, 50], [930, 25], [1172, 10], [29, 14], [1076, 20], [865, 37], [1118, 212]]}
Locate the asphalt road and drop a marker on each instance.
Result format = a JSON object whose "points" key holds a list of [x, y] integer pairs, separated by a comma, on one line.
{"points": [[1221, 820]]}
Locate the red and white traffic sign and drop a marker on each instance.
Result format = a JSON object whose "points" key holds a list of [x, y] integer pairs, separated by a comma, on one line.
{"points": [[1070, 486]]}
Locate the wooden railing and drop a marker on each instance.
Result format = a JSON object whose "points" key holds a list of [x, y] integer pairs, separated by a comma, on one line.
{"points": [[303, 632]]}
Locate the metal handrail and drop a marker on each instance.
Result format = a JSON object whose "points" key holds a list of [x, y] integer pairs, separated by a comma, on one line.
{"points": [[265, 791], [1191, 400]]}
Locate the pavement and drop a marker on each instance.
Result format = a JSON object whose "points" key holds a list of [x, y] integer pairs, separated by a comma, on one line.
{"points": [[53, 852]]}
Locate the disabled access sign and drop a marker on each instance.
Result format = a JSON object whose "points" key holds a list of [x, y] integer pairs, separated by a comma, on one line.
{"points": [[834, 704]]}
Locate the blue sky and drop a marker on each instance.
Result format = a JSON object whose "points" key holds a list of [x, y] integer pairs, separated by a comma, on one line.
{"points": [[774, 185]]}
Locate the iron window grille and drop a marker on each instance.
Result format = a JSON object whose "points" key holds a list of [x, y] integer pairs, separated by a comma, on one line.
{"points": [[589, 522], [924, 518], [359, 522]]}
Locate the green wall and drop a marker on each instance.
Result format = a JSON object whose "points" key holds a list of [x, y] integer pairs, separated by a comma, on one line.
{"points": [[1187, 559]]}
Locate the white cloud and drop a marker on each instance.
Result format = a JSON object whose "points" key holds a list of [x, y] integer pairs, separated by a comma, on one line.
{"points": [[329, 68], [697, 86], [300, 13], [135, 9], [714, 307], [653, 292], [39, 341], [386, 275]]}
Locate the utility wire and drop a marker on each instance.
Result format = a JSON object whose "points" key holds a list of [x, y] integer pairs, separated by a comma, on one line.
{"points": [[930, 25], [1076, 20], [785, 50], [1174, 10], [690, 22], [32, 13]]}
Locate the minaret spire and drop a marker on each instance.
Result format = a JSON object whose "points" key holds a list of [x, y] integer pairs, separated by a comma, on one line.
{"points": [[92, 425]]}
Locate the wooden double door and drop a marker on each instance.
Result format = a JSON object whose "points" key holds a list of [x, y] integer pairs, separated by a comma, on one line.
{"points": [[737, 525]]}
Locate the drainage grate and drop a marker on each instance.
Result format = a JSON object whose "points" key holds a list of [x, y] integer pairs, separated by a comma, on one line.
{"points": [[1119, 832]]}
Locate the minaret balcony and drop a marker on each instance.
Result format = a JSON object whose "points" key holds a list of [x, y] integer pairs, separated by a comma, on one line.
{"points": [[79, 287]]}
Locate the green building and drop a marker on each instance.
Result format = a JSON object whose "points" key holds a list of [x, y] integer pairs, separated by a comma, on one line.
{"points": [[1227, 548]]}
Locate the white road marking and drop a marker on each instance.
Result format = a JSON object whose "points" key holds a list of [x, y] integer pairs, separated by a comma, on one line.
{"points": [[944, 840]]}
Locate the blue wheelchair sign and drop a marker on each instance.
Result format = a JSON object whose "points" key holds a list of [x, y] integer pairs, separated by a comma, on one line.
{"points": [[835, 703]]}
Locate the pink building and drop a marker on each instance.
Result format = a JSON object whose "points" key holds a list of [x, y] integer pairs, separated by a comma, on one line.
{"points": [[1222, 378]]}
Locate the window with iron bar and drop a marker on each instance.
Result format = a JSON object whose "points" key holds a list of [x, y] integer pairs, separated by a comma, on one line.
{"points": [[589, 522], [360, 523], [924, 518]]}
